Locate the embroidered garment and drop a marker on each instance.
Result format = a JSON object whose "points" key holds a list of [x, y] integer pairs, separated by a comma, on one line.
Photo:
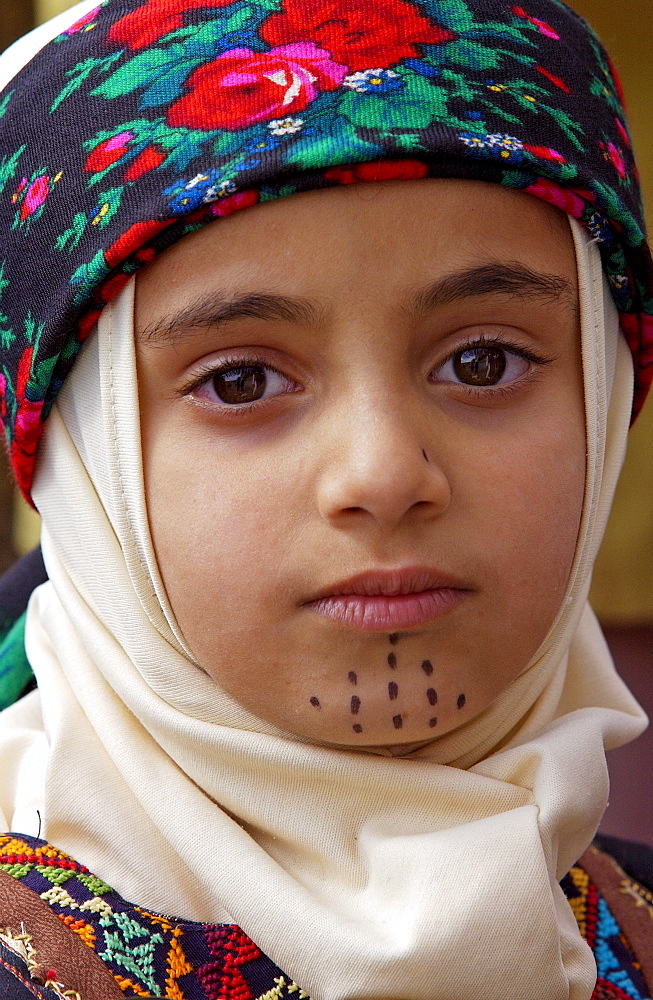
{"points": [[139, 123], [150, 955]]}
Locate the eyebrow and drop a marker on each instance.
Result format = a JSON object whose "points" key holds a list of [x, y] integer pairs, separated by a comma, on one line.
{"points": [[511, 279]]}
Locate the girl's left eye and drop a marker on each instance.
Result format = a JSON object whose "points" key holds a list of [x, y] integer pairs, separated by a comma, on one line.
{"points": [[484, 366], [242, 384]]}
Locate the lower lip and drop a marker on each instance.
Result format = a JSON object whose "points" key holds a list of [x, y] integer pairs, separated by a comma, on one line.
{"points": [[384, 613]]}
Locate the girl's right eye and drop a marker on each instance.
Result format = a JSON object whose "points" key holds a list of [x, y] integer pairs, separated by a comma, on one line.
{"points": [[242, 384]]}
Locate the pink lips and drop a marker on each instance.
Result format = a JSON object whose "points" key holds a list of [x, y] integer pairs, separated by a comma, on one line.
{"points": [[391, 600]]}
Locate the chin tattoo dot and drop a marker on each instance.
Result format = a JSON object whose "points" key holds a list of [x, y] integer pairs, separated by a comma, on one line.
{"points": [[353, 678], [427, 667], [392, 661], [432, 696], [357, 728], [394, 638], [461, 701], [433, 722], [315, 702], [397, 721], [393, 690], [355, 704]]}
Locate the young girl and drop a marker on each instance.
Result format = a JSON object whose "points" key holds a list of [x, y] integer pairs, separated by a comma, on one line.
{"points": [[319, 691]]}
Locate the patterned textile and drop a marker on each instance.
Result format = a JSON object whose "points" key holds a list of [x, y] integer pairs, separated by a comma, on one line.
{"points": [[155, 956], [149, 955], [619, 972], [141, 123]]}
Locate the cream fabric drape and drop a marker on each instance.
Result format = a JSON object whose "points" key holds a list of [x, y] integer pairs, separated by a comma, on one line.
{"points": [[424, 877]]}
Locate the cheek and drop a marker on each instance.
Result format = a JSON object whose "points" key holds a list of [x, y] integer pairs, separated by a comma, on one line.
{"points": [[535, 492], [217, 531]]}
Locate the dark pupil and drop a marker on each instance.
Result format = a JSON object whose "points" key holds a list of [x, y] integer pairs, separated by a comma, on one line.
{"points": [[480, 365], [240, 385]]}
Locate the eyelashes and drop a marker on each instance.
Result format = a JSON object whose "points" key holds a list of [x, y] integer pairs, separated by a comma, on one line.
{"points": [[243, 383], [238, 384]]}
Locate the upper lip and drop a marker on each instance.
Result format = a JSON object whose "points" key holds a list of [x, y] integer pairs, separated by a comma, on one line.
{"points": [[392, 583]]}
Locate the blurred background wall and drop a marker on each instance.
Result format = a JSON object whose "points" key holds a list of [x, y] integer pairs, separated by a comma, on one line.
{"points": [[622, 591]]}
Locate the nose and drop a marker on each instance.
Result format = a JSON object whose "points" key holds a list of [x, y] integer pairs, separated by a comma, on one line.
{"points": [[381, 466]]}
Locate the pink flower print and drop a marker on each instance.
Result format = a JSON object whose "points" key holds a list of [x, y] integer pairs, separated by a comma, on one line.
{"points": [[3, 396], [108, 152], [234, 203], [27, 431], [543, 27], [617, 159], [556, 195], [84, 23], [35, 196], [545, 153], [241, 86], [622, 131], [614, 155]]}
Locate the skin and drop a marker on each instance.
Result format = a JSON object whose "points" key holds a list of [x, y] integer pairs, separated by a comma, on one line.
{"points": [[368, 452]]}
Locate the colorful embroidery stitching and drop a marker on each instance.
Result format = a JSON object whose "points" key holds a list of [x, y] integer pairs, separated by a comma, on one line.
{"points": [[148, 954], [151, 955]]}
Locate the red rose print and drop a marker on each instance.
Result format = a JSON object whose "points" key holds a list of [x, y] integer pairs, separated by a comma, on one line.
{"points": [[132, 239], [108, 152], [234, 203], [27, 433], [586, 194], [614, 155], [27, 429], [559, 196], [544, 28], [83, 22], [618, 85], [22, 375], [622, 132], [35, 196], [385, 170], [114, 286], [554, 79], [241, 86], [362, 36], [151, 158], [545, 153], [86, 324], [151, 21]]}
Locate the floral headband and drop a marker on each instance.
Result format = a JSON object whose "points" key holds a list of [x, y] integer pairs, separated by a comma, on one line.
{"points": [[140, 124]]}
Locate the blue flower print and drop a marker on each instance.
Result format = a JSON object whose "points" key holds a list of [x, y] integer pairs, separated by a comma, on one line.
{"points": [[185, 196], [374, 81], [423, 68], [286, 126], [503, 147], [599, 228]]}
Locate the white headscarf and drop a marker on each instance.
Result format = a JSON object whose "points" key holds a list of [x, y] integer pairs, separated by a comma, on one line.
{"points": [[428, 877]]}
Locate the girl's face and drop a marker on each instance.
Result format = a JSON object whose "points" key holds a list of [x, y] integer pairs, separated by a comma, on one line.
{"points": [[364, 449]]}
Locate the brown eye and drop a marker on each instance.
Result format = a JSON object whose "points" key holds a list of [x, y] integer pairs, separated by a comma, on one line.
{"points": [[240, 385], [483, 365]]}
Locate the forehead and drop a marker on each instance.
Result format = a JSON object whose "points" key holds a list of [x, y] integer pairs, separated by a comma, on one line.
{"points": [[398, 234]]}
